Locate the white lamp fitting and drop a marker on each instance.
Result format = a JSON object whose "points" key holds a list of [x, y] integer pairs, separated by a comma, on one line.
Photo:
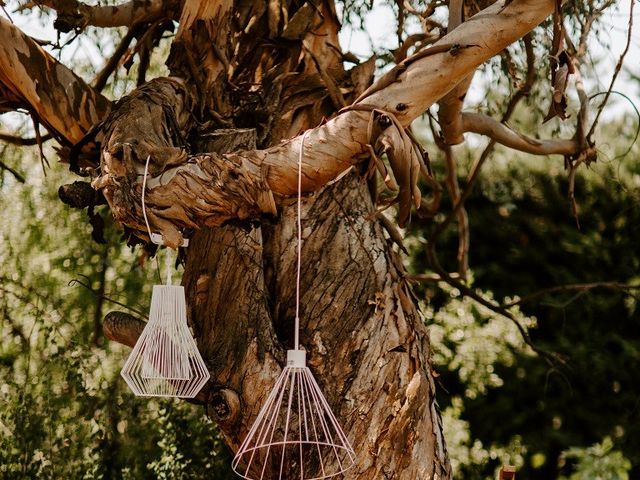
{"points": [[165, 361]]}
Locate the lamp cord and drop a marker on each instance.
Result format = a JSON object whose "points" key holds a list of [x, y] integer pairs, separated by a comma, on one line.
{"points": [[146, 220], [297, 323]]}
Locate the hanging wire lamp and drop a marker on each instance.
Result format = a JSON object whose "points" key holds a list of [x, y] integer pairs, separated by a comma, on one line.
{"points": [[165, 361], [296, 435]]}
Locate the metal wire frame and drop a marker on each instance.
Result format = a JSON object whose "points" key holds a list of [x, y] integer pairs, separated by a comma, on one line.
{"points": [[296, 435], [165, 362]]}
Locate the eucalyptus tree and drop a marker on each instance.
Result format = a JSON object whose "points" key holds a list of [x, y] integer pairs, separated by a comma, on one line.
{"points": [[223, 132]]}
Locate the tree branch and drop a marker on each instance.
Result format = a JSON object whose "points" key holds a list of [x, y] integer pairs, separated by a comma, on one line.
{"points": [[616, 71], [61, 100], [77, 15], [463, 217], [499, 132], [110, 66], [12, 171], [255, 180], [575, 287], [122, 327], [21, 141], [522, 92]]}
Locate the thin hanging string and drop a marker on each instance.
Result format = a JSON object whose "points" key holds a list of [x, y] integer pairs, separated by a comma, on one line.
{"points": [[144, 188], [168, 265], [297, 332], [146, 220]]}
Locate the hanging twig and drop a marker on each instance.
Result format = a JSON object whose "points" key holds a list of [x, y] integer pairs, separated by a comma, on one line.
{"points": [[573, 169], [43, 160], [616, 71], [576, 287], [75, 281], [463, 217], [6, 12], [393, 231]]}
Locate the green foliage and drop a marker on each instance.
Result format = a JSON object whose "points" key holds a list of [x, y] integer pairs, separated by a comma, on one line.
{"points": [[470, 342], [524, 239], [598, 462], [65, 411]]}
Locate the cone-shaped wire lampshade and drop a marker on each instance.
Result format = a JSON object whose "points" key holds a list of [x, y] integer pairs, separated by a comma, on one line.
{"points": [[296, 436], [165, 361]]}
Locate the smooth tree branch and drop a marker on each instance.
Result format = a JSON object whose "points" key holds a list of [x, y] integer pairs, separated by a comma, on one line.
{"points": [[61, 100], [501, 133]]}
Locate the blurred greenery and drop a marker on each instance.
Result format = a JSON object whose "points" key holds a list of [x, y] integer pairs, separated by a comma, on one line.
{"points": [[578, 420], [66, 412]]}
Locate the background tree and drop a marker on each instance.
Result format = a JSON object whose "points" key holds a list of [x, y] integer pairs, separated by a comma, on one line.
{"points": [[510, 403], [277, 69]]}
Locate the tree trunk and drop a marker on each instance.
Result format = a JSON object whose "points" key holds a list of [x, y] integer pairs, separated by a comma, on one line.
{"points": [[366, 342]]}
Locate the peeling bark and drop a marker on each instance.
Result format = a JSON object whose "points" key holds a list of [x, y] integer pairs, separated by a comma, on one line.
{"points": [[253, 179], [73, 14], [368, 345]]}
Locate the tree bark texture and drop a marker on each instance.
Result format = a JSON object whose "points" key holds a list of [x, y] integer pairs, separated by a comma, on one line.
{"points": [[365, 340]]}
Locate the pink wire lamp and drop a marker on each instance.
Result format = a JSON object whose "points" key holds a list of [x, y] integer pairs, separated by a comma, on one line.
{"points": [[296, 435]]}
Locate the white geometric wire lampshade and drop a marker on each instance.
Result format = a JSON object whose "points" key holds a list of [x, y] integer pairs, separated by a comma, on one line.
{"points": [[296, 436], [165, 361]]}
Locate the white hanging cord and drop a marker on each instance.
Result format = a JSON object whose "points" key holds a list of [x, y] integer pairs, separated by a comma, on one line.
{"points": [[152, 237], [297, 333], [168, 265], [144, 188]]}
